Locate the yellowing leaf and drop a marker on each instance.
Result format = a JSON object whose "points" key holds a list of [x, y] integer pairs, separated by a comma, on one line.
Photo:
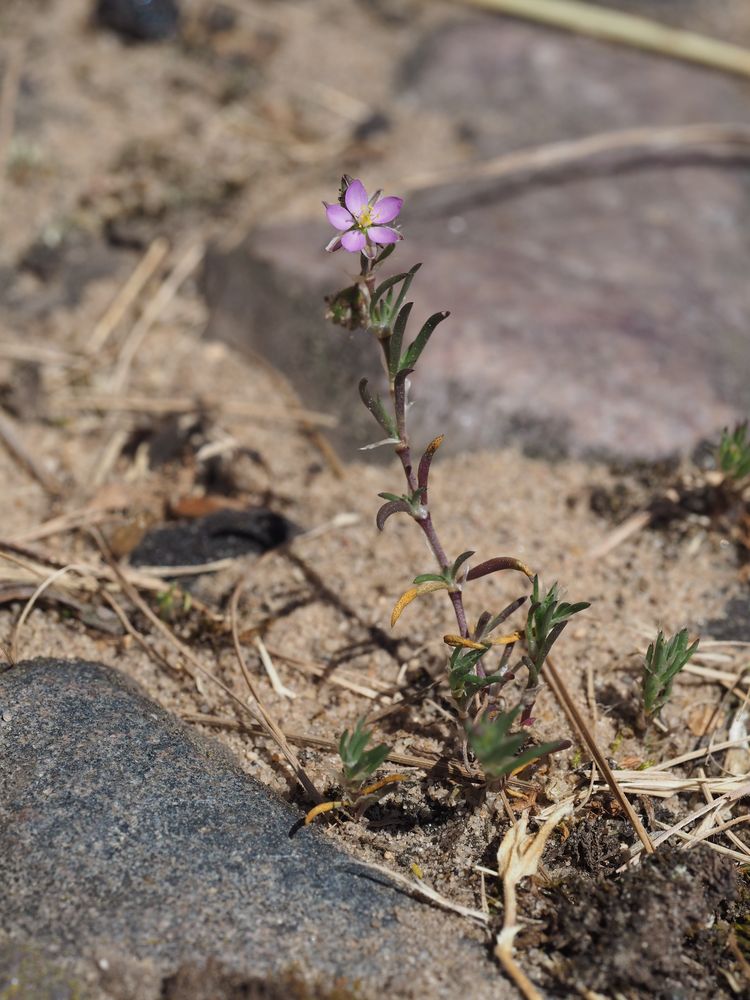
{"points": [[413, 592], [459, 640], [505, 640]]}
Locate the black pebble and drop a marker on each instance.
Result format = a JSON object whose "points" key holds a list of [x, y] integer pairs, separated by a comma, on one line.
{"points": [[225, 534], [139, 20]]}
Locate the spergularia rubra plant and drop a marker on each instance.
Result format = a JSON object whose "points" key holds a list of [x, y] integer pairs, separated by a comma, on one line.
{"points": [[480, 687]]}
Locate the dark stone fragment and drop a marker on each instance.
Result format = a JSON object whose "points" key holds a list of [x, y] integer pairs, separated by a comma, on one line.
{"points": [[139, 20], [223, 535], [734, 626]]}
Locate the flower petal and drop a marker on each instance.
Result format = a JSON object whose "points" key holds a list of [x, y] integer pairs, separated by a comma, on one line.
{"points": [[353, 241], [356, 198], [383, 235], [386, 209], [338, 216], [334, 245]]}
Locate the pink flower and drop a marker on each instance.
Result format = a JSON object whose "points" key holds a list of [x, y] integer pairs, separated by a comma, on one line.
{"points": [[360, 221]]}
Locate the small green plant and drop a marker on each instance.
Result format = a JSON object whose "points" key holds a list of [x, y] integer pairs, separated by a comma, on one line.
{"points": [[501, 752], [546, 621], [358, 764], [366, 226], [733, 454], [665, 658]]}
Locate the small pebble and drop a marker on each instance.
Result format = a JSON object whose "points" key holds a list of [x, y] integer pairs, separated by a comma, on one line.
{"points": [[7, 716]]}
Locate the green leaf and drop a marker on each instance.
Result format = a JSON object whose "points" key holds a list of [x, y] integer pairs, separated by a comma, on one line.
{"points": [[499, 751], [391, 496], [427, 577], [385, 286], [664, 660], [420, 341], [405, 287], [375, 405], [397, 338], [357, 762]]}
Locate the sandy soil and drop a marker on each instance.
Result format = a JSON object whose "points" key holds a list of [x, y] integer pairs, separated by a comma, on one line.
{"points": [[322, 604]]}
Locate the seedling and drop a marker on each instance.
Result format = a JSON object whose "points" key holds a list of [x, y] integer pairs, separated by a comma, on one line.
{"points": [[367, 227], [358, 764], [733, 455], [664, 660], [500, 752]]}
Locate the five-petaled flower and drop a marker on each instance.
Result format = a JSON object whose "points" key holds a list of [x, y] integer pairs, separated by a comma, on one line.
{"points": [[361, 221]]}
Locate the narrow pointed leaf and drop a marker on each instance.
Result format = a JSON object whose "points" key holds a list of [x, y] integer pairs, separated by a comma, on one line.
{"points": [[462, 642], [375, 406], [397, 338], [385, 286], [506, 640], [413, 592], [496, 565], [427, 577], [420, 341], [393, 507], [423, 472], [405, 287], [505, 614], [460, 560]]}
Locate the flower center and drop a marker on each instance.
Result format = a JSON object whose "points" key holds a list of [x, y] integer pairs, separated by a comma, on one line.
{"points": [[365, 218]]}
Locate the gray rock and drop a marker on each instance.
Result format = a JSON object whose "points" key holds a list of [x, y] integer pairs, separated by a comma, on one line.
{"points": [[122, 829], [602, 309]]}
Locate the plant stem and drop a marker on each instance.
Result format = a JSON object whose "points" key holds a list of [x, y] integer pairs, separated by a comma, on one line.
{"points": [[403, 450]]}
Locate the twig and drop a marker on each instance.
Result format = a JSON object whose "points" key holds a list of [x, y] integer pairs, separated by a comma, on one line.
{"points": [[146, 267], [579, 724], [286, 390], [270, 669], [717, 848], [415, 887], [260, 715], [15, 445], [629, 527], [708, 796], [41, 354], [341, 678], [695, 754], [32, 601], [627, 29], [445, 766], [716, 804], [644, 141], [108, 403], [155, 307], [266, 718]]}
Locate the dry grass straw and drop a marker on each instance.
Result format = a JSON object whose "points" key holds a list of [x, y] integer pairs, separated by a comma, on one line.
{"points": [[447, 767], [518, 858], [730, 140], [579, 724], [165, 405], [627, 29], [16, 447], [126, 295], [416, 887]]}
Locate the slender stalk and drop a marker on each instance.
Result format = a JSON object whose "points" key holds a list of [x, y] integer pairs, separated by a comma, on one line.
{"points": [[403, 450]]}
